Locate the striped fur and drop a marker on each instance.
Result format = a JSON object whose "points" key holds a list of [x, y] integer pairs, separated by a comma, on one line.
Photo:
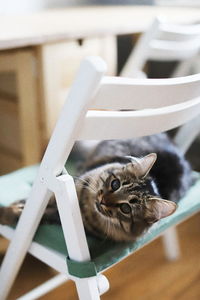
{"points": [[121, 195]]}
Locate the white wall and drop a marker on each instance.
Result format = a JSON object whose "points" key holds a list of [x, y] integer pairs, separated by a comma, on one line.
{"points": [[191, 3], [10, 7], [28, 6]]}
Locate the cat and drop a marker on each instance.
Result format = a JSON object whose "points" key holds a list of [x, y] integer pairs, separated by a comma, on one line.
{"points": [[124, 187]]}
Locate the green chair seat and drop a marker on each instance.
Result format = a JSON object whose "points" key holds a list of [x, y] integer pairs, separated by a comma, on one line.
{"points": [[104, 253]]}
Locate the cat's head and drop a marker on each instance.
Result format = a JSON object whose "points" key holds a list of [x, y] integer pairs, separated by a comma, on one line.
{"points": [[123, 198]]}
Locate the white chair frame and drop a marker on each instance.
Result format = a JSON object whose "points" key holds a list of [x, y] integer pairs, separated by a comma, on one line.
{"points": [[165, 42], [91, 89]]}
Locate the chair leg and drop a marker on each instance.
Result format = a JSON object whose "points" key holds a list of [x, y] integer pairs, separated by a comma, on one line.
{"points": [[72, 224], [87, 289], [171, 244], [23, 236], [187, 134], [182, 69], [91, 288]]}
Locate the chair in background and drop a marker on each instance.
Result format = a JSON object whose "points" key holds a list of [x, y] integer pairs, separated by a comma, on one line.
{"points": [[180, 43], [166, 42], [105, 96]]}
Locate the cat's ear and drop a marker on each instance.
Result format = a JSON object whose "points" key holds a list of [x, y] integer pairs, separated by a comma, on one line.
{"points": [[159, 208], [143, 165], [146, 163]]}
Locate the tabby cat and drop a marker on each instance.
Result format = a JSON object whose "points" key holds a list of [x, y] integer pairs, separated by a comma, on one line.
{"points": [[124, 187]]}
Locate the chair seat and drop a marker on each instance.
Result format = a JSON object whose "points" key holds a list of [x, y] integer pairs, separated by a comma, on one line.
{"points": [[104, 253]]}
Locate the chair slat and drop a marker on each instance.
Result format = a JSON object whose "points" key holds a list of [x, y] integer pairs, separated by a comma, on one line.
{"points": [[178, 32], [116, 125], [126, 93], [163, 41], [170, 50]]}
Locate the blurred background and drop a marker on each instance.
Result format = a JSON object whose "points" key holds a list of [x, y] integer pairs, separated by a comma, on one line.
{"points": [[47, 35]]}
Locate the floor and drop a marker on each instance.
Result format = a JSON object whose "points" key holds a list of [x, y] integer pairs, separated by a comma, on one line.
{"points": [[146, 275]]}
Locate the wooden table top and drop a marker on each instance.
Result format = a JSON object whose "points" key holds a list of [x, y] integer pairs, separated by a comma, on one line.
{"points": [[80, 22]]}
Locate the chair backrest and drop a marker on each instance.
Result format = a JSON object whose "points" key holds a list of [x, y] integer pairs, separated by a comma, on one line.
{"points": [[92, 90], [165, 42], [120, 108]]}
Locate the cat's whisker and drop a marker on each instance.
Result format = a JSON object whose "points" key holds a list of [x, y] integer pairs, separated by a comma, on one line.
{"points": [[83, 181], [86, 187], [109, 224], [113, 227], [102, 180], [105, 230], [121, 224], [92, 182], [92, 179]]}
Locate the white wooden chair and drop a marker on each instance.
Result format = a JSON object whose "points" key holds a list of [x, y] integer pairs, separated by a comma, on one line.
{"points": [[105, 96], [164, 41]]}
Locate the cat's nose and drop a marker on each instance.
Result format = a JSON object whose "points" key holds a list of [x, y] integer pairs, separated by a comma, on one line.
{"points": [[107, 201], [103, 201]]}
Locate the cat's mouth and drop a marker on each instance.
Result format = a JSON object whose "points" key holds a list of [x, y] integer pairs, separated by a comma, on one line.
{"points": [[99, 207], [102, 208]]}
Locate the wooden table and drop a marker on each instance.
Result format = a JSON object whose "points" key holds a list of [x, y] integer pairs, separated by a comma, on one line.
{"points": [[42, 49], [56, 25]]}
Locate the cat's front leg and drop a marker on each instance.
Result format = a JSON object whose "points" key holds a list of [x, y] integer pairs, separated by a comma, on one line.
{"points": [[9, 215]]}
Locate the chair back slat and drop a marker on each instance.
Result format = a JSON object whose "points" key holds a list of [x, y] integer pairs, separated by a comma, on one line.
{"points": [[170, 50], [163, 41], [117, 93], [173, 41], [178, 32], [99, 125]]}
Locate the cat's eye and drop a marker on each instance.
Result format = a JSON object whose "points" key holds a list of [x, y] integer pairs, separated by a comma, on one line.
{"points": [[125, 208], [115, 184]]}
